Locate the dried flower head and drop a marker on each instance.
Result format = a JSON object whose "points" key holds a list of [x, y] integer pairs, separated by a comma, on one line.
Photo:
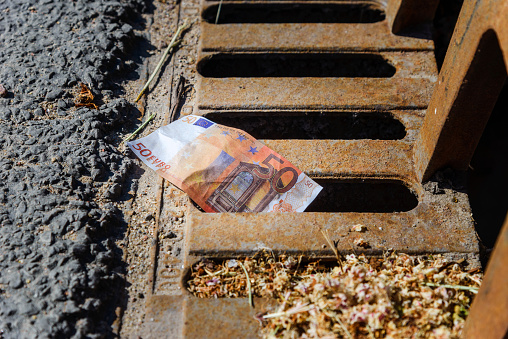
{"points": [[397, 296], [358, 228]]}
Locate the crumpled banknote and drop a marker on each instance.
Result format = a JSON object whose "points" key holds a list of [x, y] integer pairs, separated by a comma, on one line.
{"points": [[224, 169]]}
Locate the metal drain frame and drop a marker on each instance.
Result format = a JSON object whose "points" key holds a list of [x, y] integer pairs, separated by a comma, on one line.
{"points": [[441, 223]]}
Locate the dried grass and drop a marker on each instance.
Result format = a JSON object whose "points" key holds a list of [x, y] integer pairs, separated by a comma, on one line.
{"points": [[398, 296]]}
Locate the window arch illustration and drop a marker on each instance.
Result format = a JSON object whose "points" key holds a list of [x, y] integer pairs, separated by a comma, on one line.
{"points": [[239, 185]]}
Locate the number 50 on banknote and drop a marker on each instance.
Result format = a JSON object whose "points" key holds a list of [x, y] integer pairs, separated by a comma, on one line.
{"points": [[224, 169]]}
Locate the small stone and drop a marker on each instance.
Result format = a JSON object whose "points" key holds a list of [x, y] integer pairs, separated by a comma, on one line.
{"points": [[433, 187], [360, 242], [57, 294], [71, 307], [79, 250], [3, 91], [113, 191], [171, 235], [54, 94], [232, 263], [15, 280], [95, 173], [27, 308], [91, 304], [47, 238], [62, 104]]}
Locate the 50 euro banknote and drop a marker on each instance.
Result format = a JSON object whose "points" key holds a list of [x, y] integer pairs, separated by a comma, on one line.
{"points": [[224, 169]]}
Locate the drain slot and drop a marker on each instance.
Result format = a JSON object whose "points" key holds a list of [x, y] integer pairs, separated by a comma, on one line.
{"points": [[375, 196], [337, 125], [293, 13], [360, 196], [321, 65]]}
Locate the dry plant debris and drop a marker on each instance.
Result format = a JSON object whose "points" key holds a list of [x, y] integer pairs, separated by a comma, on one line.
{"points": [[173, 44], [398, 296], [85, 98], [358, 228]]}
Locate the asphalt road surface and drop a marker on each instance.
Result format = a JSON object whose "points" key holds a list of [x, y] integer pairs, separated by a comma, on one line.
{"points": [[60, 170]]}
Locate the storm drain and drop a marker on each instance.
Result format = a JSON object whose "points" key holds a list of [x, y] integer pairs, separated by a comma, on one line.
{"points": [[329, 86]]}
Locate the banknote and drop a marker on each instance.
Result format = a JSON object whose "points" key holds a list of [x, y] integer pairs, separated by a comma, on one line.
{"points": [[224, 169]]}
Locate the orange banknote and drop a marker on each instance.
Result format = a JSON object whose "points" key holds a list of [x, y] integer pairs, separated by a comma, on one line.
{"points": [[224, 169]]}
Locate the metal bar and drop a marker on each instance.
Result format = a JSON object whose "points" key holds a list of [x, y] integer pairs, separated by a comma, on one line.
{"points": [[472, 76], [488, 317], [313, 93], [305, 37], [417, 231]]}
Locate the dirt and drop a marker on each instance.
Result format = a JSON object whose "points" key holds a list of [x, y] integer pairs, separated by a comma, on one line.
{"points": [[157, 212]]}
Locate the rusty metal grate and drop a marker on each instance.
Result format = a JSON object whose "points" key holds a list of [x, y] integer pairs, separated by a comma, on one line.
{"points": [[344, 99]]}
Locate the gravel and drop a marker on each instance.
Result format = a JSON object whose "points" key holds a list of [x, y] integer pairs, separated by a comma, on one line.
{"points": [[60, 170]]}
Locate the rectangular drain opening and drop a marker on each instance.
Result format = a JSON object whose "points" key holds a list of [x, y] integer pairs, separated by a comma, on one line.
{"points": [[363, 196], [360, 196], [311, 126], [285, 13], [319, 65]]}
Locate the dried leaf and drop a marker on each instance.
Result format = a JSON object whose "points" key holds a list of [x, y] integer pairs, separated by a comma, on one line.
{"points": [[85, 98]]}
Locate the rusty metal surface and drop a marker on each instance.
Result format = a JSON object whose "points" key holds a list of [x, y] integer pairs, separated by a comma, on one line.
{"points": [[312, 93], [185, 316], [328, 36], [488, 317], [226, 318], [306, 37], [348, 158], [418, 231], [472, 76], [410, 87], [164, 317]]}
